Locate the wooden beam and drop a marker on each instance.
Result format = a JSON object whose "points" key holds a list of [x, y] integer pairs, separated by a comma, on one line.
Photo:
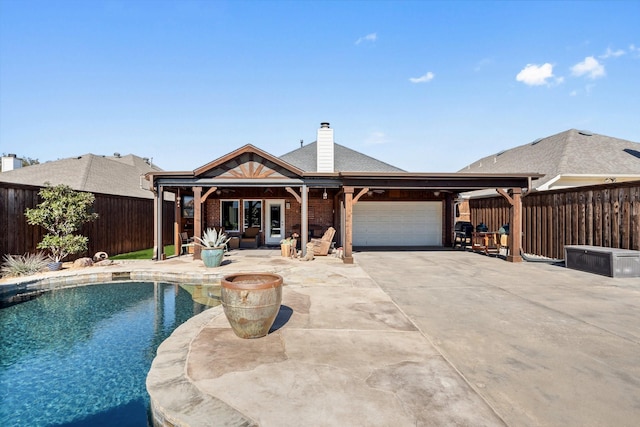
{"points": [[360, 194], [207, 194], [505, 195], [294, 194]]}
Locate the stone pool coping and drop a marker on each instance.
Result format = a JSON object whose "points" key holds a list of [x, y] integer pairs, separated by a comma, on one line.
{"points": [[19, 288]]}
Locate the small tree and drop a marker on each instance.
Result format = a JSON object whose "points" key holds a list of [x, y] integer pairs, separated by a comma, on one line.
{"points": [[61, 213]]}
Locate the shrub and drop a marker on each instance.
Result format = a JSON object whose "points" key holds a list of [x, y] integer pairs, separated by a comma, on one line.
{"points": [[23, 265], [61, 213]]}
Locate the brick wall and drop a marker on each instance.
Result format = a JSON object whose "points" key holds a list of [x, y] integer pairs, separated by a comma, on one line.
{"points": [[320, 211]]}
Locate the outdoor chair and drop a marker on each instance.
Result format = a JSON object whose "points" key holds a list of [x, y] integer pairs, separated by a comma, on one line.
{"points": [[504, 244], [185, 243], [321, 246], [250, 238]]}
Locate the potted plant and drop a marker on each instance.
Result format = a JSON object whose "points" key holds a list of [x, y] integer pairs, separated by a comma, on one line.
{"points": [[213, 245], [285, 247], [61, 213], [288, 245]]}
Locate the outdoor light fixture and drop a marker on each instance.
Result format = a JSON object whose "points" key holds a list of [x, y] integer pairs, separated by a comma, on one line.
{"points": [[287, 205], [436, 193], [324, 195]]}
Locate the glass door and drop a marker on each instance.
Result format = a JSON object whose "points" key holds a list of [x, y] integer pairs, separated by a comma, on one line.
{"points": [[274, 222]]}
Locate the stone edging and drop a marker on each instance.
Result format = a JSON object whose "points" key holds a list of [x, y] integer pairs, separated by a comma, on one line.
{"points": [[27, 288], [175, 400]]}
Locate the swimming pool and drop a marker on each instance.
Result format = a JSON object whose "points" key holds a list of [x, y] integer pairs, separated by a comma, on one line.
{"points": [[80, 356]]}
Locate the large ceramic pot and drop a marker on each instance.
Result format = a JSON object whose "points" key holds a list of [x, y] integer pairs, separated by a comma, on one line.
{"points": [[212, 257], [251, 302]]}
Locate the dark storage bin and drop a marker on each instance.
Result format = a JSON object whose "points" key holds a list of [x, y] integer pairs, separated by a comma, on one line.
{"points": [[610, 262]]}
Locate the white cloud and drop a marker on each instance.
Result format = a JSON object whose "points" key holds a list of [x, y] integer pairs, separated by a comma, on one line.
{"points": [[368, 38], [612, 53], [589, 67], [536, 75], [423, 79], [376, 138]]}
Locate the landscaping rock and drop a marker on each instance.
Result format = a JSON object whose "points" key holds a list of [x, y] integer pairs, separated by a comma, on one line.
{"points": [[82, 262]]}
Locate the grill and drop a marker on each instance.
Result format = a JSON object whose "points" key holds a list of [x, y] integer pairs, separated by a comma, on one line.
{"points": [[462, 233]]}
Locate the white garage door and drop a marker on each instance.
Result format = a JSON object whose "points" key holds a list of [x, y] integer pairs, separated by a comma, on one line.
{"points": [[397, 224]]}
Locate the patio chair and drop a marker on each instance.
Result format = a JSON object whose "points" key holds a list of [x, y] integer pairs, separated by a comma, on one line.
{"points": [[250, 238], [185, 243], [321, 246]]}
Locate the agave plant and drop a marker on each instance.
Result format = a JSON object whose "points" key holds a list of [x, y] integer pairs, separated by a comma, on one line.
{"points": [[211, 238], [23, 265]]}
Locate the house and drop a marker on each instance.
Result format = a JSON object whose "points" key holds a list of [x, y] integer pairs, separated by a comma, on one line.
{"points": [[323, 184], [116, 175], [568, 159]]}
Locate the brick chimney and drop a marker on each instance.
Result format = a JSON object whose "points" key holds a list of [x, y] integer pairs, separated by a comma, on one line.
{"points": [[325, 156]]}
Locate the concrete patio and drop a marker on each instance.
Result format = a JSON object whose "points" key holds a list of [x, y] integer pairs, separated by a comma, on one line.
{"points": [[412, 338]]}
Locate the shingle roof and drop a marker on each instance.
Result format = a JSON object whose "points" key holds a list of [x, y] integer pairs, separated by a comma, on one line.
{"points": [[89, 172], [569, 152], [345, 159]]}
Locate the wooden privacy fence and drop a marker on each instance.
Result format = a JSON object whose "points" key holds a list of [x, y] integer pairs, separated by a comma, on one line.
{"points": [[603, 215], [125, 224]]}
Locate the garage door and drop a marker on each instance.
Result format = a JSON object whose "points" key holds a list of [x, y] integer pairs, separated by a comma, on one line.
{"points": [[397, 224]]}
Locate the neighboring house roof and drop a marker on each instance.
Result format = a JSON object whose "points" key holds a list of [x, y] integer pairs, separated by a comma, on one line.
{"points": [[569, 154], [345, 159], [118, 175]]}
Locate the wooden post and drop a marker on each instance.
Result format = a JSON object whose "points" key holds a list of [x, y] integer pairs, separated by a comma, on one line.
{"points": [[197, 219], [449, 213], [515, 227], [304, 220], [159, 243], [176, 225], [348, 225], [515, 223]]}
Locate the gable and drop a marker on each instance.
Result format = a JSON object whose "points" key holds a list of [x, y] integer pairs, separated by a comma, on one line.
{"points": [[248, 162]]}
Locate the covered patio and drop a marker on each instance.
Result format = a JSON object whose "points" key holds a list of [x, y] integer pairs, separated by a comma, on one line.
{"points": [[251, 188]]}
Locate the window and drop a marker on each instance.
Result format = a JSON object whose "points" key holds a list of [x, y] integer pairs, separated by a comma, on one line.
{"points": [[187, 206], [252, 213], [230, 215]]}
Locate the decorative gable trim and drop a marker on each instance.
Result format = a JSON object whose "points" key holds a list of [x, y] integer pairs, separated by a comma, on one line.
{"points": [[248, 162], [251, 170]]}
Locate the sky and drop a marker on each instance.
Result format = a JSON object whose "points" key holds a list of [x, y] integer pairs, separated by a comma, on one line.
{"points": [[426, 86]]}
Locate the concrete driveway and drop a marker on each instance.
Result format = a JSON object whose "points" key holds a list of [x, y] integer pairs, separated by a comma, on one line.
{"points": [[543, 345]]}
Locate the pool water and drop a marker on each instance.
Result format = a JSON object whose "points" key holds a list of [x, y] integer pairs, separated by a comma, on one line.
{"points": [[80, 356]]}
